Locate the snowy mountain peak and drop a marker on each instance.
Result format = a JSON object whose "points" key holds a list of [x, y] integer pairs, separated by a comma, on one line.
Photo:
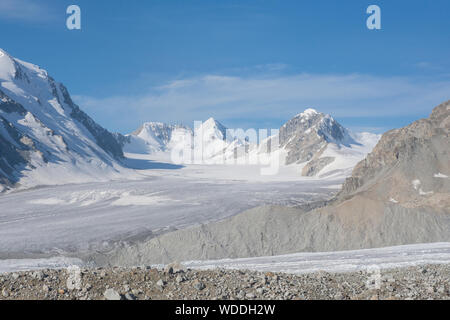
{"points": [[313, 122], [155, 133], [308, 113], [7, 66], [13, 70], [313, 139], [211, 123], [316, 139], [153, 124], [150, 128], [42, 132], [213, 129], [5, 56], [155, 137]]}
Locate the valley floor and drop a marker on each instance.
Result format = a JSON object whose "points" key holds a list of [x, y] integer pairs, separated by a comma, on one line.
{"points": [[74, 220], [55, 227]]}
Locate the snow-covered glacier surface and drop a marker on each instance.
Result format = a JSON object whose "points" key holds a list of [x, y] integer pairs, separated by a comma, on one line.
{"points": [[300, 263], [73, 218], [55, 226], [15, 265], [340, 261]]}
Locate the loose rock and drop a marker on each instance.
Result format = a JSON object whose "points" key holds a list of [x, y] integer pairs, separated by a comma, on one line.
{"points": [[111, 294]]}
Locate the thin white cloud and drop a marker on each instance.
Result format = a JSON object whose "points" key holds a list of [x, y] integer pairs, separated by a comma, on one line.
{"points": [[257, 99], [25, 10], [426, 65]]}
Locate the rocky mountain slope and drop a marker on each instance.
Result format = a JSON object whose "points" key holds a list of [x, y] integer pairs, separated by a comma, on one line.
{"points": [[45, 138], [317, 140], [409, 166], [312, 140], [308, 133], [398, 195]]}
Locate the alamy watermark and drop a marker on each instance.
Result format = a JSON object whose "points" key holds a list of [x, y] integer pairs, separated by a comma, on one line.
{"points": [[374, 20], [73, 22], [73, 278], [238, 147], [373, 281]]}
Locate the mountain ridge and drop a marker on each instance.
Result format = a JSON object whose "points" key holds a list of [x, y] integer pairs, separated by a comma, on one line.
{"points": [[311, 139], [42, 131]]}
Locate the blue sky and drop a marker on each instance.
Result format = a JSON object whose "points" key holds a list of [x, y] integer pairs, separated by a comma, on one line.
{"points": [[248, 63]]}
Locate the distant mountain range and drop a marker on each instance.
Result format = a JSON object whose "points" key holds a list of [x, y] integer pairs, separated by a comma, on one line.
{"points": [[155, 137], [46, 139], [311, 139]]}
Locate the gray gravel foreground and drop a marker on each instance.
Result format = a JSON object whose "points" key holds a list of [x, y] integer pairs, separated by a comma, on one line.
{"points": [[426, 282]]}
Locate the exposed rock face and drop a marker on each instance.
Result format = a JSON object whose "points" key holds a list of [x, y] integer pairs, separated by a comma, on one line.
{"points": [[307, 135], [158, 133], [105, 139], [312, 139], [313, 167], [40, 127], [121, 139], [324, 147], [398, 195], [14, 153], [153, 137], [409, 165]]}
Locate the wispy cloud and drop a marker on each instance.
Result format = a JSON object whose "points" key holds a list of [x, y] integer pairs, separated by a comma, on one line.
{"points": [[428, 66], [25, 10], [264, 100]]}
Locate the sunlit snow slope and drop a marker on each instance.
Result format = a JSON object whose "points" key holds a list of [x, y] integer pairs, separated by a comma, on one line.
{"points": [[44, 137]]}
